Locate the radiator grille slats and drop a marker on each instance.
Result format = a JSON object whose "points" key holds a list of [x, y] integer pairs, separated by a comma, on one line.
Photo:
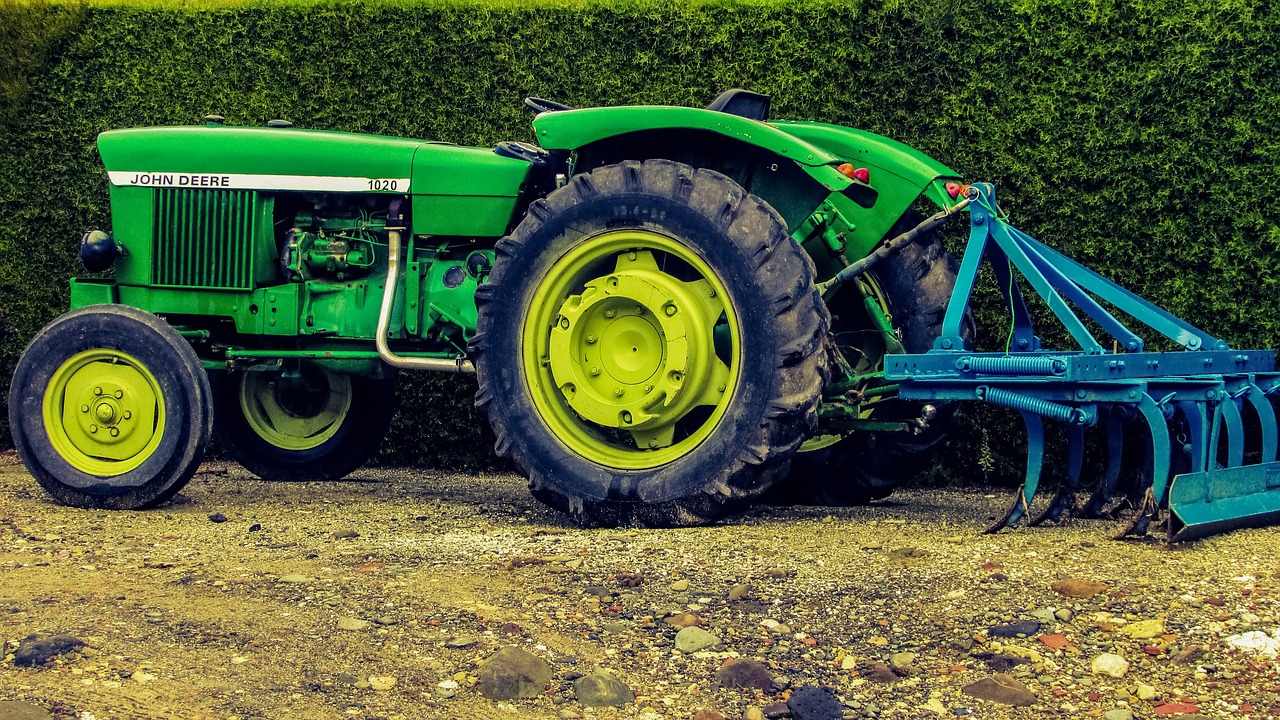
{"points": [[204, 238]]}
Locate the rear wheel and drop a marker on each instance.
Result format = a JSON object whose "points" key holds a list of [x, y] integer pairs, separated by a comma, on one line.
{"points": [[110, 408], [914, 285], [649, 348], [306, 423]]}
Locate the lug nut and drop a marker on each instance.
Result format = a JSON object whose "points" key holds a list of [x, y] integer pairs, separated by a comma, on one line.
{"points": [[93, 428], [653, 443], [626, 417], [119, 394], [671, 310], [84, 408], [127, 414], [617, 392], [595, 372], [631, 255], [564, 323], [610, 313], [591, 339], [115, 432], [97, 391], [648, 388]]}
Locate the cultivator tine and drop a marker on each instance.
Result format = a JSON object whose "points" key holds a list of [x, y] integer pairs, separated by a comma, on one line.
{"points": [[1035, 463], [1266, 414], [1158, 431], [1065, 499], [1233, 423], [1113, 425]]}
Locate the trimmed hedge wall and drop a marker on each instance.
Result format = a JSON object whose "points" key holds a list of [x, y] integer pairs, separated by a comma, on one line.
{"points": [[1140, 137]]}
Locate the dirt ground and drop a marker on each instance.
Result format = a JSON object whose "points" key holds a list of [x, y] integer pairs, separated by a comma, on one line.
{"points": [[381, 596]]}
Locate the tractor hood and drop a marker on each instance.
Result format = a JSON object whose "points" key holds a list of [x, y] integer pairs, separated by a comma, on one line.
{"points": [[258, 158]]}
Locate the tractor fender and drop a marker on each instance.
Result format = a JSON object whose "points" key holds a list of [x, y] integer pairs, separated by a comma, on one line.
{"points": [[575, 129], [899, 173]]}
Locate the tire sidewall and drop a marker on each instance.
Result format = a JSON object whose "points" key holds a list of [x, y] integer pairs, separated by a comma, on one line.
{"points": [[166, 355]]}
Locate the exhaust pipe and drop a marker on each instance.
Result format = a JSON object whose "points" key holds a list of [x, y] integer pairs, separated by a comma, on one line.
{"points": [[458, 364]]}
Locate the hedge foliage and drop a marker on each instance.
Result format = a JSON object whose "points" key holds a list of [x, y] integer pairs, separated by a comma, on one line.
{"points": [[1140, 137]]}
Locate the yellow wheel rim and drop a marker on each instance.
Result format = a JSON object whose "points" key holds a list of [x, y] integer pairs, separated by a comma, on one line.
{"points": [[295, 413], [104, 412], [631, 349]]}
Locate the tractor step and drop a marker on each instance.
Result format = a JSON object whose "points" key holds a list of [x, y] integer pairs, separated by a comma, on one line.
{"points": [[1191, 404]]}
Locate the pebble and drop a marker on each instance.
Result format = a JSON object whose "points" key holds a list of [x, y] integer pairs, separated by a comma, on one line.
{"points": [[1143, 629], [901, 662], [739, 591], [693, 639], [512, 673], [386, 621], [36, 650], [753, 713], [1002, 689], [1063, 615], [602, 689], [381, 682], [295, 578], [345, 535], [682, 620], [1022, 628], [744, 673], [680, 585], [775, 710], [877, 672], [1118, 714], [446, 689], [459, 642], [810, 702], [1257, 642], [352, 624], [1110, 664], [217, 518], [15, 710], [1082, 589]]}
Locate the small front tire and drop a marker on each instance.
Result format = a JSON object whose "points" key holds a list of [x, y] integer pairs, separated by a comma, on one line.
{"points": [[110, 408]]}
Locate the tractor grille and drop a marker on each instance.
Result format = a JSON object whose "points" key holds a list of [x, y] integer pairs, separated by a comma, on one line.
{"points": [[204, 238]]}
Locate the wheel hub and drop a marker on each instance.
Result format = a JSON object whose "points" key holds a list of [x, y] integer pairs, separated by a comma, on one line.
{"points": [[633, 350]]}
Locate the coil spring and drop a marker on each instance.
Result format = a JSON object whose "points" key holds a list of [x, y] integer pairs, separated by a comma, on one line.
{"points": [[1028, 403], [1013, 365]]}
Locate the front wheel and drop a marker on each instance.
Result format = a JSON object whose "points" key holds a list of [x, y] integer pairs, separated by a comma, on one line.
{"points": [[649, 347], [304, 423], [110, 408]]}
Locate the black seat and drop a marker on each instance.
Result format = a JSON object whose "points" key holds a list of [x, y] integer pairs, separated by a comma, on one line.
{"points": [[742, 103]]}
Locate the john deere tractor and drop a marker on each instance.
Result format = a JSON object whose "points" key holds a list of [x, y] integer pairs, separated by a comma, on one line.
{"points": [[668, 310]]}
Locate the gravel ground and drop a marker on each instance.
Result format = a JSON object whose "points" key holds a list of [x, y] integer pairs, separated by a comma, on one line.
{"points": [[383, 596]]}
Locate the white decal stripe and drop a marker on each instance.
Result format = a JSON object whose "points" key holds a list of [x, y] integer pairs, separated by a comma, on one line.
{"points": [[327, 183]]}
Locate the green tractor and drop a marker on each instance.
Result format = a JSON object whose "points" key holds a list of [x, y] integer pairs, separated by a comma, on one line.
{"points": [[645, 297]]}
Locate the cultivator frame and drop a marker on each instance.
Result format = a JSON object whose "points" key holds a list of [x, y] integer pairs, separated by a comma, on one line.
{"points": [[1192, 402]]}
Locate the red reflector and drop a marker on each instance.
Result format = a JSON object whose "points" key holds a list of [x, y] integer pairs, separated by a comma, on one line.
{"points": [[862, 175], [953, 189]]}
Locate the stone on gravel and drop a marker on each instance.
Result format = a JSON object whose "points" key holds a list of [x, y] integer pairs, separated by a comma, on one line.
{"points": [[743, 673], [1003, 689], [382, 682], [1110, 664], [902, 662], [513, 674], [14, 710], [693, 639], [682, 620], [352, 624], [707, 714], [877, 672], [1118, 714], [810, 702], [36, 650], [1144, 629], [1257, 642], [457, 643], [739, 592], [601, 689], [1188, 655], [680, 585], [1022, 628], [1082, 589], [775, 710], [295, 578], [217, 518]]}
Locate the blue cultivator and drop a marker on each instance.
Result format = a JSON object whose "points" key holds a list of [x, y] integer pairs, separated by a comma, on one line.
{"points": [[1191, 403]]}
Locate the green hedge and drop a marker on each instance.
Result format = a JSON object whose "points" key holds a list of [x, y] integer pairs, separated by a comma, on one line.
{"points": [[1140, 137]]}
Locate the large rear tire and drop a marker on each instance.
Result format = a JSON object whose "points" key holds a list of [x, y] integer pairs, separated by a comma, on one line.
{"points": [[110, 408], [312, 424], [650, 346], [915, 283]]}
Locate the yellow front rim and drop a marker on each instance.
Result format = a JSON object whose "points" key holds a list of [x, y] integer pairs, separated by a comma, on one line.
{"points": [[104, 412]]}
